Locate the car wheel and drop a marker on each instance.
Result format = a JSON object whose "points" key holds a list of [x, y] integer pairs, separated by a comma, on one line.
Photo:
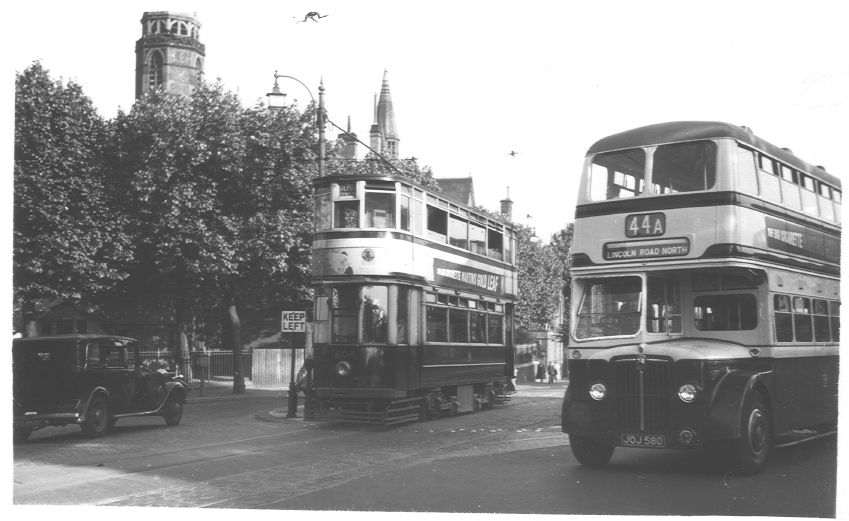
{"points": [[173, 411], [589, 452], [751, 450], [96, 418], [21, 435]]}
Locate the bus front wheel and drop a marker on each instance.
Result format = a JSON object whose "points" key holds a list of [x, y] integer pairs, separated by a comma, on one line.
{"points": [[751, 450], [589, 452]]}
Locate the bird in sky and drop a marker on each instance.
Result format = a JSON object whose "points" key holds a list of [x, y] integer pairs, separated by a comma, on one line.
{"points": [[314, 16], [513, 153]]}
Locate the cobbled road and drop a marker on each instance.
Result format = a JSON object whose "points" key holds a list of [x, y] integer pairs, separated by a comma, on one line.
{"points": [[225, 454]]}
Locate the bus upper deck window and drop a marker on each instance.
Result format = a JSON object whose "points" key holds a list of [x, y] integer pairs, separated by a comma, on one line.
{"points": [[617, 175], [684, 167]]}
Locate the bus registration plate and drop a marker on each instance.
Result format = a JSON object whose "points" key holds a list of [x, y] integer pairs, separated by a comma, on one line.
{"points": [[656, 441]]}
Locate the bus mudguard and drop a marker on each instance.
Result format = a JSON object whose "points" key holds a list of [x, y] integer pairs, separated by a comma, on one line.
{"points": [[723, 422]]}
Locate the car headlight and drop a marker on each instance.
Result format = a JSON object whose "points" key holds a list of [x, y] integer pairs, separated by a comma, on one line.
{"points": [[598, 391], [687, 393], [343, 368]]}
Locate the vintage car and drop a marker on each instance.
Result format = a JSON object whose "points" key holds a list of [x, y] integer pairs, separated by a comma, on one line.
{"points": [[88, 380]]}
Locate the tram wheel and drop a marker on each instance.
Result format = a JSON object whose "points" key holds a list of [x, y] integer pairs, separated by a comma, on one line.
{"points": [[589, 452], [751, 450]]}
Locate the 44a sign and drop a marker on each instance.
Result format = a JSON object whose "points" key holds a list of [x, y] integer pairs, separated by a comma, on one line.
{"points": [[645, 225]]}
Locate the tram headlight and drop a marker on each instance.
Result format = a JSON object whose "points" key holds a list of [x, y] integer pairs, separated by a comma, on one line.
{"points": [[343, 368], [687, 393], [598, 391]]}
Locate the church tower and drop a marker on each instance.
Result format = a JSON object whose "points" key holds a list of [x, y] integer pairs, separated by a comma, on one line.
{"points": [[384, 134], [169, 53]]}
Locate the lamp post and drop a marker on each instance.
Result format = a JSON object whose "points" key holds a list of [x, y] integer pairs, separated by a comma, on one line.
{"points": [[277, 100]]}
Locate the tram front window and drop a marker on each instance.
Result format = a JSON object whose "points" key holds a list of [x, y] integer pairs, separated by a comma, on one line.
{"points": [[609, 307], [374, 313], [344, 305]]}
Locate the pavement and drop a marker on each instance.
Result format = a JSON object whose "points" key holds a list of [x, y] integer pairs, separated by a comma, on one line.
{"points": [[217, 391]]}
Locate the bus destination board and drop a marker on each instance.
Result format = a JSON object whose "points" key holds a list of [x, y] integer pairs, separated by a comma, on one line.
{"points": [[631, 250]]}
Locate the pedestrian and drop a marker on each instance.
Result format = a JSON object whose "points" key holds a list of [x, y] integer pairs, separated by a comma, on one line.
{"points": [[540, 372], [552, 373]]}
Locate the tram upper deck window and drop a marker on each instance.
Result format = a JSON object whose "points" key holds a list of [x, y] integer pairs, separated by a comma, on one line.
{"points": [[437, 223], [477, 238], [380, 210], [609, 307], [458, 232], [617, 175], [684, 167], [495, 244]]}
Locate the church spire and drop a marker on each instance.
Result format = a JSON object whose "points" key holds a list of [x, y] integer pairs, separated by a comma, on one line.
{"points": [[385, 120]]}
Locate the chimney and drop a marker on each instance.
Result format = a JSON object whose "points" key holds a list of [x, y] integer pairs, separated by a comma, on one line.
{"points": [[507, 206]]}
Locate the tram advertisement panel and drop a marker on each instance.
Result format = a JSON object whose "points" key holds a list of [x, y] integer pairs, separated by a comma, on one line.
{"points": [[466, 277]]}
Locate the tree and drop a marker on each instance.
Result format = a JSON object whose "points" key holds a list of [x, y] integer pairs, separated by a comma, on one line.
{"points": [[68, 240], [538, 280], [169, 155], [221, 202], [561, 242]]}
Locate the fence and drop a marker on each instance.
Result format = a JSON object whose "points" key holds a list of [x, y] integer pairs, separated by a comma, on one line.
{"points": [[263, 368]]}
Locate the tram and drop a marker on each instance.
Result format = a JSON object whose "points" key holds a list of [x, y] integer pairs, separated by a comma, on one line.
{"points": [[414, 296], [705, 295]]}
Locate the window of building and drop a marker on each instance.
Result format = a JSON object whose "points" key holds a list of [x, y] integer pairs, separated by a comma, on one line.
{"points": [[404, 210], [154, 71], [725, 312]]}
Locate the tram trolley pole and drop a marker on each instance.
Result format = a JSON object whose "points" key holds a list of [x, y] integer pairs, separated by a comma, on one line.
{"points": [[293, 322]]}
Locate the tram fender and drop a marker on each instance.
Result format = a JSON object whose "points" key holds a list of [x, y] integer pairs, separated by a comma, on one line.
{"points": [[723, 422]]}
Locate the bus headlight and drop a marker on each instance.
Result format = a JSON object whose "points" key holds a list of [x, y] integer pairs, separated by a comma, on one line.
{"points": [[598, 391], [343, 368], [687, 393]]}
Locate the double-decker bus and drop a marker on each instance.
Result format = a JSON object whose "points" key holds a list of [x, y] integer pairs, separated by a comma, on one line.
{"points": [[705, 294], [414, 301]]}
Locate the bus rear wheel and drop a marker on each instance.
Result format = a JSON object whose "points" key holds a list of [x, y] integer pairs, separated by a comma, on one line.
{"points": [[589, 452], [751, 450]]}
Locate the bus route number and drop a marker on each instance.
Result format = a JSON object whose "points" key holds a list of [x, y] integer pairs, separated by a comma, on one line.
{"points": [[645, 225]]}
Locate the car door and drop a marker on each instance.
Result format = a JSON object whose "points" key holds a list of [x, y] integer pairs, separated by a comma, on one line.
{"points": [[106, 366]]}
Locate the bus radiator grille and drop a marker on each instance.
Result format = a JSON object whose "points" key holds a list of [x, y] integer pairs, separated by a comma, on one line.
{"points": [[653, 414]]}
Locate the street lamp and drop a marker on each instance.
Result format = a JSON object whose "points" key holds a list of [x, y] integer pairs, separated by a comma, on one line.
{"points": [[277, 100]]}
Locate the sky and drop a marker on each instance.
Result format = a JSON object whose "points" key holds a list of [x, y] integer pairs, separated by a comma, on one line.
{"points": [[472, 81]]}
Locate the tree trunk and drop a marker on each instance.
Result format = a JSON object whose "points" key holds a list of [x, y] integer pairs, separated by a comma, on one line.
{"points": [[234, 332]]}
